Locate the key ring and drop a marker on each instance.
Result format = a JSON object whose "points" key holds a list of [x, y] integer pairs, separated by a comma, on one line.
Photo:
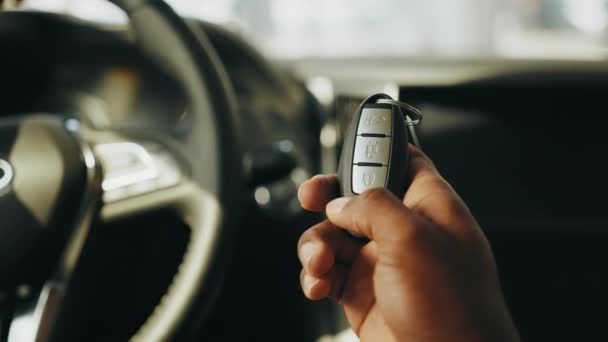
{"points": [[409, 108]]}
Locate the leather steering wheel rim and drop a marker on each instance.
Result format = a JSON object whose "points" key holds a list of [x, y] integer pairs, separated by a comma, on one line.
{"points": [[206, 202]]}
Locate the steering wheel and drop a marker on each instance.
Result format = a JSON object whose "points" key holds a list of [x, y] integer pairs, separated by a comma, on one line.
{"points": [[57, 176]]}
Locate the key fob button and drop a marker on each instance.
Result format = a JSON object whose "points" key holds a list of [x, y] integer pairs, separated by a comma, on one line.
{"points": [[376, 121], [368, 177], [372, 150]]}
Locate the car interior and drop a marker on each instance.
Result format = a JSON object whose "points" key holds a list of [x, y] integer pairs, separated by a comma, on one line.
{"points": [[151, 155]]}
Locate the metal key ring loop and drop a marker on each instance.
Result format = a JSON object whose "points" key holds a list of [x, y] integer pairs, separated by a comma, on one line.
{"points": [[411, 111]]}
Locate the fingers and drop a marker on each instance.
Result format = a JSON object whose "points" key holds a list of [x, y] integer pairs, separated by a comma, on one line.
{"points": [[330, 285], [323, 246], [316, 192], [426, 183], [325, 252], [420, 166], [432, 197], [376, 214]]}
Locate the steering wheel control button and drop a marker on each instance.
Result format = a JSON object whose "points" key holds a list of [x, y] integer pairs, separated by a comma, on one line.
{"points": [[168, 171], [368, 177], [377, 121], [6, 176], [124, 164], [132, 169], [372, 150]]}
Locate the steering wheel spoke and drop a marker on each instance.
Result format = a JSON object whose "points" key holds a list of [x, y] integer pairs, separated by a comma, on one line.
{"points": [[146, 174], [156, 180]]}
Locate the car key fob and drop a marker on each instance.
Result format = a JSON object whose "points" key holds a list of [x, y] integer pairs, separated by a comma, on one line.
{"points": [[375, 150]]}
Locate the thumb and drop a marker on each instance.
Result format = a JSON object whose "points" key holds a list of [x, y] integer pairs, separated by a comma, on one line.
{"points": [[375, 214]]}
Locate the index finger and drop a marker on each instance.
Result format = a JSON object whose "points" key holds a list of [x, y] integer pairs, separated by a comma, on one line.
{"points": [[425, 180], [431, 196], [420, 166]]}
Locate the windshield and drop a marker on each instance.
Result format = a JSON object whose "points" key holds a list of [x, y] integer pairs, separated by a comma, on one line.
{"points": [[556, 29]]}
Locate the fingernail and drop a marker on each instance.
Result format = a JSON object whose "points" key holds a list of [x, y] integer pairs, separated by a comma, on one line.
{"points": [[309, 282], [308, 251], [334, 207]]}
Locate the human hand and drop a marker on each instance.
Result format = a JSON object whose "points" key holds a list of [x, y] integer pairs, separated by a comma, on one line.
{"points": [[427, 272]]}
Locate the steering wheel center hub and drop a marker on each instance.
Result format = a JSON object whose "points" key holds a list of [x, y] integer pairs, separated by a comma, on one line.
{"points": [[40, 193]]}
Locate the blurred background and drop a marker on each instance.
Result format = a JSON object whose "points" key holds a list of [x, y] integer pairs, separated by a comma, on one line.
{"points": [[545, 29]]}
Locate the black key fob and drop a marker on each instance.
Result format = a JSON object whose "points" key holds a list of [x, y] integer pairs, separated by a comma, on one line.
{"points": [[375, 150]]}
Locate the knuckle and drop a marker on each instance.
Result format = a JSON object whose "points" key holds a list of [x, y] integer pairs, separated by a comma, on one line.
{"points": [[456, 211], [314, 233], [428, 160], [435, 182], [309, 235], [317, 233], [417, 156]]}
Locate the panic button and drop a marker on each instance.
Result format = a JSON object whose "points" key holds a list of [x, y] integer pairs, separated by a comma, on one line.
{"points": [[368, 177]]}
